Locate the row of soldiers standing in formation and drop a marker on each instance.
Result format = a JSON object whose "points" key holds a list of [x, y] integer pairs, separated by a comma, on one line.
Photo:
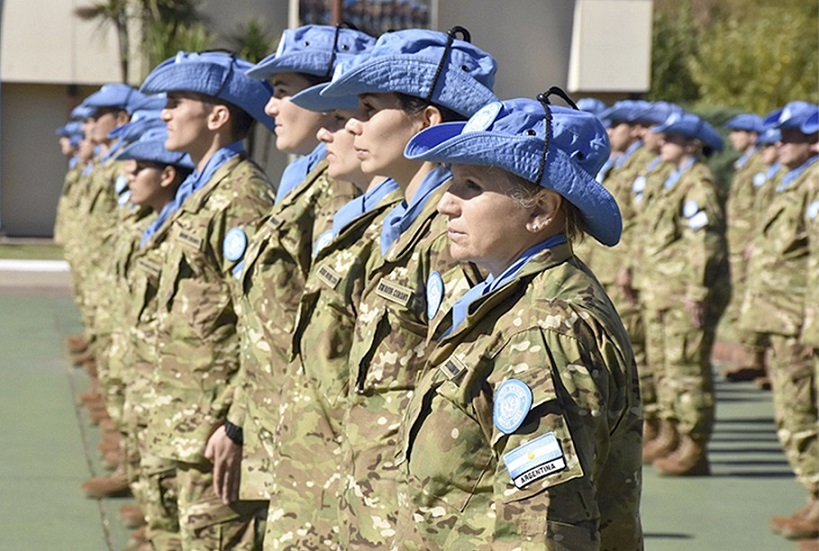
{"points": [[258, 353], [692, 257]]}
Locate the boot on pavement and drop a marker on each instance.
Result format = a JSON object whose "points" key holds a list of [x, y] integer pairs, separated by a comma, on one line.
{"points": [[689, 459], [663, 444], [115, 485], [802, 526]]}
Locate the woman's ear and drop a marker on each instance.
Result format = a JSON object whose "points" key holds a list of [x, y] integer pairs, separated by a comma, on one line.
{"points": [[431, 116], [545, 213], [219, 117], [168, 176]]}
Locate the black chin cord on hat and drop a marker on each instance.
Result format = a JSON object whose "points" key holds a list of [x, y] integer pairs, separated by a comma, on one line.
{"points": [[543, 98], [342, 25], [451, 36]]}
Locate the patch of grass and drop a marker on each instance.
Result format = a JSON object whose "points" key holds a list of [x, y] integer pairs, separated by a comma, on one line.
{"points": [[9, 251]]}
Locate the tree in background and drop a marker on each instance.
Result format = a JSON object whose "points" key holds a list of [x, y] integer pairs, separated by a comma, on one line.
{"points": [[252, 41], [115, 13], [744, 54]]}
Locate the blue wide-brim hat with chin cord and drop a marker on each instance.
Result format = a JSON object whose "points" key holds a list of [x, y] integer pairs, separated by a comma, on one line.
{"points": [[691, 126], [118, 96], [769, 136], [151, 148], [314, 50], [136, 128], [215, 74], [558, 148], [435, 66], [657, 112], [746, 122], [811, 124], [624, 111], [81, 112], [791, 116]]}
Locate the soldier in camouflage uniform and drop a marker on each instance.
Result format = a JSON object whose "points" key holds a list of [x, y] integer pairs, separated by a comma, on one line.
{"points": [[278, 258], [154, 175], [307, 447], [525, 427], [740, 216], [646, 184], [410, 275], [775, 305], [685, 293], [210, 109], [70, 137]]}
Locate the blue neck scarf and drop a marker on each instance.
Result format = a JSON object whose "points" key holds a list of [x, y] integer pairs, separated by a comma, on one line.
{"points": [[352, 210], [745, 156], [792, 175], [73, 162], [297, 171], [773, 169], [677, 174], [402, 216], [460, 308], [195, 181], [621, 160], [113, 150], [655, 162], [362, 204]]}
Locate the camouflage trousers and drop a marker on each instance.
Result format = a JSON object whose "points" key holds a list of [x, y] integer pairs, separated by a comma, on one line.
{"points": [[207, 524], [794, 373], [680, 353], [153, 483], [632, 314]]}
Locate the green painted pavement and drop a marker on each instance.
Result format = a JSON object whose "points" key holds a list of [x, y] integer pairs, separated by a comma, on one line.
{"points": [[49, 450]]}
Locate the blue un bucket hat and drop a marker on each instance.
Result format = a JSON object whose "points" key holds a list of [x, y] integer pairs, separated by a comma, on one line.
{"points": [[438, 67], [747, 122], [555, 147], [118, 96], [691, 126], [792, 116], [314, 50], [216, 74], [151, 147]]}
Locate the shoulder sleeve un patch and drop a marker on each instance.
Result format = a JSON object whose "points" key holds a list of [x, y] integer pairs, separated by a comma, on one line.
{"points": [[234, 244], [513, 399]]}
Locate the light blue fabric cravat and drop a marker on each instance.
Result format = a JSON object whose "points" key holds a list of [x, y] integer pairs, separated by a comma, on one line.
{"points": [[621, 160], [792, 175], [297, 171], [675, 176], [192, 183], [362, 204], [460, 308], [402, 216]]}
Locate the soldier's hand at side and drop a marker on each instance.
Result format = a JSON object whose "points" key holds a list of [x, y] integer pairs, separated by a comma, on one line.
{"points": [[696, 311], [226, 457]]}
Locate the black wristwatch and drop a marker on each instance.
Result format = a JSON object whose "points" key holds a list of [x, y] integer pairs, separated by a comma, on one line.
{"points": [[235, 433]]}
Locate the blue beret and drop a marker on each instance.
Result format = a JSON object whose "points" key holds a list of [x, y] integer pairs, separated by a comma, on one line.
{"points": [[215, 74], [120, 96], [624, 111], [693, 127], [512, 135], [151, 147], [412, 62], [747, 122], [312, 49], [792, 116]]}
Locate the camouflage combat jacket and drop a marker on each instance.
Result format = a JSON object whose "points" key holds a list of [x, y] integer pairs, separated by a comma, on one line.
{"points": [[272, 280], [810, 327], [488, 469], [684, 247], [197, 340], [608, 261], [388, 349], [67, 201], [739, 208], [777, 271], [645, 188], [308, 438]]}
